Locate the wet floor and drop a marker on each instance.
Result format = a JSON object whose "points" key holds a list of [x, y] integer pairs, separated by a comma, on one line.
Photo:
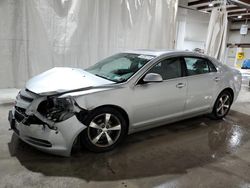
{"points": [[198, 152]]}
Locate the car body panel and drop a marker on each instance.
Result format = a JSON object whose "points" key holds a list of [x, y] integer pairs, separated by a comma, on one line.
{"points": [[146, 105], [200, 95], [170, 101], [63, 79], [61, 139]]}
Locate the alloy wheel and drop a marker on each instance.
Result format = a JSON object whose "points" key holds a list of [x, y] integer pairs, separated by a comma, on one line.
{"points": [[104, 130], [223, 105]]}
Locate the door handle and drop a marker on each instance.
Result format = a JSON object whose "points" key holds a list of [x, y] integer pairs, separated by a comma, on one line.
{"points": [[180, 85], [216, 79]]}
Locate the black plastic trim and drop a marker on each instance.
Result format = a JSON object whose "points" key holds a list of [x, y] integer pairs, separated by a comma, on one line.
{"points": [[26, 98], [39, 142]]}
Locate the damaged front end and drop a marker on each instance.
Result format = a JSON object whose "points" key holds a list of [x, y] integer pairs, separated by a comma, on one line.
{"points": [[49, 123], [54, 110], [44, 110]]}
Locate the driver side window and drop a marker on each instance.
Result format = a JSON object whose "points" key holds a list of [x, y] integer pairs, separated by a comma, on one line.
{"points": [[168, 68]]}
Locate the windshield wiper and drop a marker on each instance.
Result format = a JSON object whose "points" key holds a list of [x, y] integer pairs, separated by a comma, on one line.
{"points": [[101, 76], [104, 77]]}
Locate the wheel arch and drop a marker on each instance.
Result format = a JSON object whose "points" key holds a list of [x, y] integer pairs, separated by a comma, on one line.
{"points": [[86, 113], [230, 90], [118, 108], [213, 114]]}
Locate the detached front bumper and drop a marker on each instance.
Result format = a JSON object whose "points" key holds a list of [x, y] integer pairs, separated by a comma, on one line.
{"points": [[58, 142]]}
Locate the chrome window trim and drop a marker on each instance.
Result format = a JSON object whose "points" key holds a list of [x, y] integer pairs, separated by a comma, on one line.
{"points": [[158, 60]]}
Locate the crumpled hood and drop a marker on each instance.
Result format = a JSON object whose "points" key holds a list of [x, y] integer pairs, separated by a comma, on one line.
{"points": [[63, 79]]}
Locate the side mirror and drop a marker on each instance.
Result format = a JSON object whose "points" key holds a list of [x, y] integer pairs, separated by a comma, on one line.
{"points": [[153, 77]]}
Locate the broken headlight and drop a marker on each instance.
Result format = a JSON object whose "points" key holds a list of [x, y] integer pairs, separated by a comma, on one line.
{"points": [[57, 109]]}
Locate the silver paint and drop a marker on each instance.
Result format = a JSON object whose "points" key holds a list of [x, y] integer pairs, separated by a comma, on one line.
{"points": [[148, 105]]}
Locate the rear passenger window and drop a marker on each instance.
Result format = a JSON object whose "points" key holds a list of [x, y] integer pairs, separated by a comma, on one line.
{"points": [[196, 66]]}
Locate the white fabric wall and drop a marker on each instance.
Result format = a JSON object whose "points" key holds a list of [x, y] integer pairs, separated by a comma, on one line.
{"points": [[217, 34], [192, 29], [6, 40], [37, 35]]}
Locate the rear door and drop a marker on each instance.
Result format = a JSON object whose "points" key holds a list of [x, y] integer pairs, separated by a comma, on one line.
{"points": [[202, 83]]}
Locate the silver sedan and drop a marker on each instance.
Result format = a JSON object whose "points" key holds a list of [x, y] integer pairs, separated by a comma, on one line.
{"points": [[122, 94]]}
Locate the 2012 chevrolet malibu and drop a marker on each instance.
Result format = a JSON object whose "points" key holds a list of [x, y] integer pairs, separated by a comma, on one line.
{"points": [[120, 95]]}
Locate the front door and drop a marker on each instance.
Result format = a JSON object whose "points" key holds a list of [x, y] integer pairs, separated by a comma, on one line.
{"points": [[156, 102]]}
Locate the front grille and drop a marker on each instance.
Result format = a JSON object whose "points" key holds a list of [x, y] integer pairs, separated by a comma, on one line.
{"points": [[21, 110], [27, 95], [26, 98], [20, 116]]}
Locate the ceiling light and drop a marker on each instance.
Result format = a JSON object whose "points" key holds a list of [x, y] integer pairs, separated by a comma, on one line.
{"points": [[240, 16], [211, 4]]}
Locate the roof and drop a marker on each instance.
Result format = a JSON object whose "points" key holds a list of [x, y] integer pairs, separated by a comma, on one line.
{"points": [[162, 52], [149, 52]]}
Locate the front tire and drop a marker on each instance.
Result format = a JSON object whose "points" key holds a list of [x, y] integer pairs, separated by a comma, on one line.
{"points": [[222, 105], [106, 129]]}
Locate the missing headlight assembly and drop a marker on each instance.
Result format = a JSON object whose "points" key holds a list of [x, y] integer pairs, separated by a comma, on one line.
{"points": [[57, 109], [53, 109]]}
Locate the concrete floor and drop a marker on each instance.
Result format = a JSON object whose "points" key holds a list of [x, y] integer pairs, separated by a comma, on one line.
{"points": [[198, 152]]}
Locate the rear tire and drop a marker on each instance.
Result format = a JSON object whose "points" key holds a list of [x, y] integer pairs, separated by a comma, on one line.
{"points": [[222, 105], [106, 128]]}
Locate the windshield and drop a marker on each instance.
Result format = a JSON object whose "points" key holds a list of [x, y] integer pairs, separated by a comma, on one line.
{"points": [[119, 67]]}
